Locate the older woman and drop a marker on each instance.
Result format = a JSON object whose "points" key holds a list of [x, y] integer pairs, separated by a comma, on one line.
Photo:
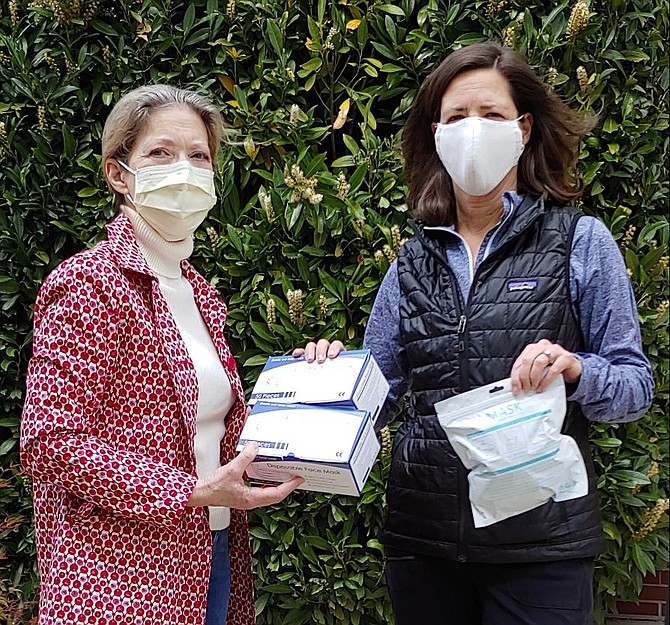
{"points": [[134, 405], [501, 279]]}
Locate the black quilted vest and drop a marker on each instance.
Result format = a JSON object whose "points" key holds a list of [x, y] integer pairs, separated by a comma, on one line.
{"points": [[519, 295]]}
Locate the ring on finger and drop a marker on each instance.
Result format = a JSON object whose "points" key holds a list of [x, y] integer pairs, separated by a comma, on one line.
{"points": [[546, 353]]}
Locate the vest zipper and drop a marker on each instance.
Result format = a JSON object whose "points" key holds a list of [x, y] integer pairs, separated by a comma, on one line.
{"points": [[461, 475], [463, 351], [462, 324]]}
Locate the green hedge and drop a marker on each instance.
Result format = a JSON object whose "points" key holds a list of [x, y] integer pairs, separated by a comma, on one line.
{"points": [[312, 211]]}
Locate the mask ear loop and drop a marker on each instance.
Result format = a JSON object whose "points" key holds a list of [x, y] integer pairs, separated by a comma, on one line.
{"points": [[120, 162], [134, 173]]}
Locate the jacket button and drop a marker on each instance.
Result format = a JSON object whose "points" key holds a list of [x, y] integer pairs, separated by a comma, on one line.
{"points": [[462, 558]]}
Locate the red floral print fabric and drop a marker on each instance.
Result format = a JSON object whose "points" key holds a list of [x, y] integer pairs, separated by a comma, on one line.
{"points": [[108, 436]]}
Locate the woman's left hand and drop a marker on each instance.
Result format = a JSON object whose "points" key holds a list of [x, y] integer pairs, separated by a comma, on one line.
{"points": [[319, 351], [542, 362]]}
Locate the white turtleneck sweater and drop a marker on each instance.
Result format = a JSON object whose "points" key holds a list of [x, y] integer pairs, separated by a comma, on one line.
{"points": [[215, 395]]}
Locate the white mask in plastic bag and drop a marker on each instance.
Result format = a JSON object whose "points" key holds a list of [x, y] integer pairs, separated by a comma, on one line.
{"points": [[478, 153], [174, 199], [513, 446]]}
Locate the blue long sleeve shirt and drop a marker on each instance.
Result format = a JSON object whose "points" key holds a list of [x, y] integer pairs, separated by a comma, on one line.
{"points": [[616, 384]]}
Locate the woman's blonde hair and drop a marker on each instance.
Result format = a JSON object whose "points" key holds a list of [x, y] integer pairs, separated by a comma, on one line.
{"points": [[130, 114]]}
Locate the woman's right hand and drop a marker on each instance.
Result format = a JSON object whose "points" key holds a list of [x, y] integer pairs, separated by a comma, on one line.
{"points": [[320, 350], [226, 487]]}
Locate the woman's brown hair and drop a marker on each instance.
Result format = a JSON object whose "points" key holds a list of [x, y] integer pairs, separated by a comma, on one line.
{"points": [[546, 167]]}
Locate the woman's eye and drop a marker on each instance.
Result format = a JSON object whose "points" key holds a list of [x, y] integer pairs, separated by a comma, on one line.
{"points": [[200, 156], [453, 118], [159, 152], [493, 115]]}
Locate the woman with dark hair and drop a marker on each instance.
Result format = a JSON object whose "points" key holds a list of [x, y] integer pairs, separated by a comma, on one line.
{"points": [[501, 279]]}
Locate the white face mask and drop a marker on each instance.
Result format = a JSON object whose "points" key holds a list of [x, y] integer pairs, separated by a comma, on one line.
{"points": [[173, 199], [478, 153]]}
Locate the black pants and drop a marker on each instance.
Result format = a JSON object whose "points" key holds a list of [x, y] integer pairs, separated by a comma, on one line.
{"points": [[433, 591]]}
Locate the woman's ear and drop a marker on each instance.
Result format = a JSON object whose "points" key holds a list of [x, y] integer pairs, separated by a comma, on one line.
{"points": [[116, 177], [526, 127]]}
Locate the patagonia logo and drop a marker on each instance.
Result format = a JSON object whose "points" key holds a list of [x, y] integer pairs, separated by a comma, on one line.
{"points": [[521, 285]]}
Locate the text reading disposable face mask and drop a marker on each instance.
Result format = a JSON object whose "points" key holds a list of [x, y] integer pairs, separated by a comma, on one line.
{"points": [[513, 446]]}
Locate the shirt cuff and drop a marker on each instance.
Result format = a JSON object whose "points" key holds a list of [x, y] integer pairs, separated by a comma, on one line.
{"points": [[578, 391]]}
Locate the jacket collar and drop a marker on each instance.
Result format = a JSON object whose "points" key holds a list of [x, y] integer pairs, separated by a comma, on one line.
{"points": [[125, 249], [124, 246]]}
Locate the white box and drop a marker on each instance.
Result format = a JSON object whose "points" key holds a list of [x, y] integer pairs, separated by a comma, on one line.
{"points": [[332, 448], [352, 380]]}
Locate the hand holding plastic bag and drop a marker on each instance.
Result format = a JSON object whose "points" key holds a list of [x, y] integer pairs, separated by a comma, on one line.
{"points": [[513, 446]]}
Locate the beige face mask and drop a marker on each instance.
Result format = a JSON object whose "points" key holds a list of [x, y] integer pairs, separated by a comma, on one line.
{"points": [[173, 199]]}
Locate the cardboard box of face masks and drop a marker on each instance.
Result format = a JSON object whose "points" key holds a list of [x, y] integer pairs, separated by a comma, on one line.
{"points": [[332, 448], [352, 380]]}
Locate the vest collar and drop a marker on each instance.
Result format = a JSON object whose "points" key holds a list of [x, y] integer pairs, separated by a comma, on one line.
{"points": [[524, 211], [531, 208]]}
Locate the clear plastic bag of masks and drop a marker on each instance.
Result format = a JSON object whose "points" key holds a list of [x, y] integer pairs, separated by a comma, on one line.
{"points": [[513, 446]]}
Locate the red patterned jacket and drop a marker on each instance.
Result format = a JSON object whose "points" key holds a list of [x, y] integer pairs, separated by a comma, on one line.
{"points": [[108, 437]]}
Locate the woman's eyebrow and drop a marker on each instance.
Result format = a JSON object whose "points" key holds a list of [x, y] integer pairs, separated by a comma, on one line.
{"points": [[487, 105], [152, 141], [168, 141]]}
